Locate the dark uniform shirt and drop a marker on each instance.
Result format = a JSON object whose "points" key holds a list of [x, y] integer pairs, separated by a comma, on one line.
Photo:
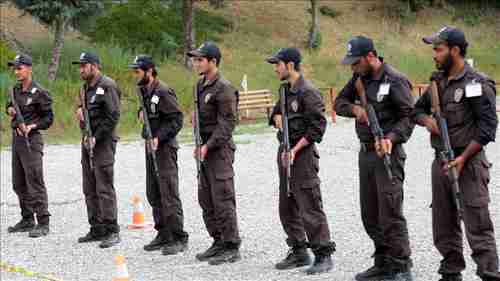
{"points": [[468, 104], [103, 104], [217, 101], [305, 112], [393, 106], [165, 115], [36, 106]]}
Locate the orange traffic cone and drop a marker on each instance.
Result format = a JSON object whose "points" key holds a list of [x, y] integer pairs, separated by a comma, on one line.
{"points": [[138, 215], [121, 273]]}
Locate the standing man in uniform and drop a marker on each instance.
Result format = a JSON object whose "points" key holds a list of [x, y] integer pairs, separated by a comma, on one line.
{"points": [[162, 189], [217, 105], [101, 97], [35, 107], [301, 208], [467, 102], [389, 92]]}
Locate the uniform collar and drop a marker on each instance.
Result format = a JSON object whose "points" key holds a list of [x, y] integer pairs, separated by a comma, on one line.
{"points": [[299, 84], [95, 81], [207, 83], [154, 85], [380, 74], [467, 69], [32, 85]]}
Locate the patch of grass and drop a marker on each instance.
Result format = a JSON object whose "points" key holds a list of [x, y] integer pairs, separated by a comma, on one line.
{"points": [[258, 29]]}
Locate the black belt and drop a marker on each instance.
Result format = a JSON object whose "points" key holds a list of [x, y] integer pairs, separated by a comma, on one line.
{"points": [[367, 146]]}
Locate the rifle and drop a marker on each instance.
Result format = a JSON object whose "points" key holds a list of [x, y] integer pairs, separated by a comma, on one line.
{"points": [[196, 133], [149, 136], [20, 122], [87, 132], [447, 154], [374, 126], [285, 138]]}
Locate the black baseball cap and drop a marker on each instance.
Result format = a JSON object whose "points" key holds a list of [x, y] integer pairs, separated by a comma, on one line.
{"points": [[143, 62], [21, 59], [357, 48], [448, 34], [87, 57], [207, 50], [286, 55]]}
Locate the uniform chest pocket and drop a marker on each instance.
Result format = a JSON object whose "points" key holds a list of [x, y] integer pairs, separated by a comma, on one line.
{"points": [[455, 114], [31, 107], [95, 106], [208, 110]]}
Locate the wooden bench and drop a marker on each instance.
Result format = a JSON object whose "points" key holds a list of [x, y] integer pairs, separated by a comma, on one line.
{"points": [[256, 100], [419, 89]]}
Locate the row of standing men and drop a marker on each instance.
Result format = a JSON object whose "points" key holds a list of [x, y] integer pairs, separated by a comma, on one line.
{"points": [[467, 102]]}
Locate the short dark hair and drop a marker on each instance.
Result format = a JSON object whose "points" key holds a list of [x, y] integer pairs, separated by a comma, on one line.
{"points": [[217, 60], [462, 48], [374, 52]]}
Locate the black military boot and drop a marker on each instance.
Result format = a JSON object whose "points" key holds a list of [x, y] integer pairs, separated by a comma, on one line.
{"points": [[216, 247], [451, 277], [174, 247], [157, 243], [397, 273], [95, 234], [296, 257], [39, 231], [110, 240], [322, 263], [24, 225], [375, 272], [230, 253]]}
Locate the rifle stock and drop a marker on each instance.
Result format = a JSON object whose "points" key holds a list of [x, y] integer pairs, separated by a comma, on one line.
{"points": [[447, 154], [88, 135], [285, 134], [196, 133], [149, 136], [20, 122], [374, 126]]}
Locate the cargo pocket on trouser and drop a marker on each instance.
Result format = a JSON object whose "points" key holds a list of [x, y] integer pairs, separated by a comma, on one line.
{"points": [[398, 164], [306, 165], [393, 199], [476, 196], [224, 189]]}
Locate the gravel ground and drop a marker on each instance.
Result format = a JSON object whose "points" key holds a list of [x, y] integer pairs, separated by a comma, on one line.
{"points": [[257, 199]]}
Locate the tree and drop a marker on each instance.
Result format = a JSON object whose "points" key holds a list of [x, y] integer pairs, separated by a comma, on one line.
{"points": [[189, 39], [217, 4], [314, 31], [58, 15]]}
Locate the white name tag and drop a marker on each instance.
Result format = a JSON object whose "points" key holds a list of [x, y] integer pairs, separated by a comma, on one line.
{"points": [[100, 91], [33, 90], [473, 90], [383, 90], [155, 99]]}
